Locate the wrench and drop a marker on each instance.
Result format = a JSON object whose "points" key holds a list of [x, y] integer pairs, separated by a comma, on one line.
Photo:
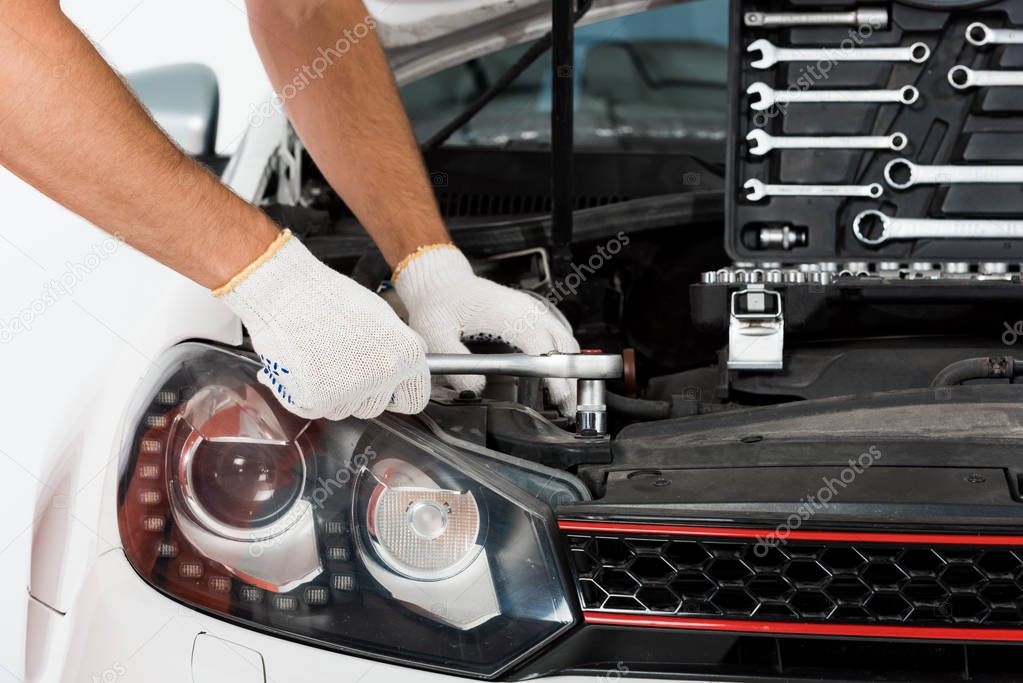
{"points": [[767, 96], [771, 55], [757, 190], [962, 77], [875, 17], [932, 228], [979, 34], [761, 142], [902, 174]]}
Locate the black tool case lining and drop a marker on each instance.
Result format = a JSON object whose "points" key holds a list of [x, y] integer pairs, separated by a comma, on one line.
{"points": [[945, 126]]}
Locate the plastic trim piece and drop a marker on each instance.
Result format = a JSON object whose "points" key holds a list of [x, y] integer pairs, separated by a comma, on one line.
{"points": [[803, 628], [794, 535]]}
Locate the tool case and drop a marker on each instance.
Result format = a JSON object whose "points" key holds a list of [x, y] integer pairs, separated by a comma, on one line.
{"points": [[975, 126], [797, 255]]}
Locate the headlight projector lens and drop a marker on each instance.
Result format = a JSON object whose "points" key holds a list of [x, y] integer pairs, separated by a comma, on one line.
{"points": [[421, 532]]}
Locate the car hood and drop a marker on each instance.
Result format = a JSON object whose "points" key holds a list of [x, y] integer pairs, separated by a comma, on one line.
{"points": [[425, 36]]}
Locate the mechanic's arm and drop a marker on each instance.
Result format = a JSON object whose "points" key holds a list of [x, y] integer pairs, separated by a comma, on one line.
{"points": [[349, 115], [70, 127], [327, 64]]}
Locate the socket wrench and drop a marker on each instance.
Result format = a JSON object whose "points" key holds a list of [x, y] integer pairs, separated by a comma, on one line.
{"points": [[963, 77], [980, 34], [757, 190], [761, 142], [566, 365], [875, 17], [902, 174], [771, 54], [767, 97], [892, 228], [590, 370]]}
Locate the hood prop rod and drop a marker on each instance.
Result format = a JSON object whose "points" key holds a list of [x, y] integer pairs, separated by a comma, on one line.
{"points": [[562, 126]]}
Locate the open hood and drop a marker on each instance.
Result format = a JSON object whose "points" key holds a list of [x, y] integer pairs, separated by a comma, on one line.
{"points": [[425, 36]]}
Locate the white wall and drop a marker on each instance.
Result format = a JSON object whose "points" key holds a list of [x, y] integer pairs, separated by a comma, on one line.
{"points": [[135, 34]]}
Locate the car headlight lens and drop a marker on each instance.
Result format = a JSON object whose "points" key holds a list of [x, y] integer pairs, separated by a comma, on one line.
{"points": [[370, 537]]}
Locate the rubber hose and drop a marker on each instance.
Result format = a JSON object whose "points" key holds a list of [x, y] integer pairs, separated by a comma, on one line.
{"points": [[975, 368]]}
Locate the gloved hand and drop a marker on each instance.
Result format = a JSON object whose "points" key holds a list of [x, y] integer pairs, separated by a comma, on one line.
{"points": [[330, 347], [448, 303]]}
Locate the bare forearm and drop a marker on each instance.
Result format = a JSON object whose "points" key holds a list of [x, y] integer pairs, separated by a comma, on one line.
{"points": [[73, 129], [343, 102]]}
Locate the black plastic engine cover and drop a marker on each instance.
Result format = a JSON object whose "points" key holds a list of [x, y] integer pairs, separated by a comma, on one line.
{"points": [[953, 455]]}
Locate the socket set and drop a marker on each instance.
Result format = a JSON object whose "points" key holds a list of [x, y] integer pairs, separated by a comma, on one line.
{"points": [[877, 133], [762, 306], [865, 272]]}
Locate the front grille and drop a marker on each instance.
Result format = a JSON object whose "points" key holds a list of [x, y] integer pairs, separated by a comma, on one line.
{"points": [[818, 581]]}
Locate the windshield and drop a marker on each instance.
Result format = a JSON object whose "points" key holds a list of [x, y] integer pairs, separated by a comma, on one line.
{"points": [[641, 81]]}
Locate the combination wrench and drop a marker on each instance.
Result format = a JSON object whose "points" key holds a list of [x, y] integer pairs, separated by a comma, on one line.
{"points": [[980, 34], [764, 97], [771, 54], [757, 190], [761, 142], [875, 17], [963, 77], [891, 228], [902, 174]]}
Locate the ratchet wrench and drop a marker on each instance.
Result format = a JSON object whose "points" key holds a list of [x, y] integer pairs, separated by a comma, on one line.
{"points": [[771, 54], [892, 228], [875, 17], [757, 190], [902, 174], [767, 97], [980, 34], [761, 142], [963, 77]]}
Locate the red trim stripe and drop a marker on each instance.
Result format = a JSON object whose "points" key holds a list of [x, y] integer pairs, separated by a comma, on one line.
{"points": [[792, 535], [795, 628]]}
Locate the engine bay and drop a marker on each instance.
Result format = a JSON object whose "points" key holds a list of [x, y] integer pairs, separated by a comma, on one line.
{"points": [[648, 277]]}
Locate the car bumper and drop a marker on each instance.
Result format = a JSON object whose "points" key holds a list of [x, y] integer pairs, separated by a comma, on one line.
{"points": [[120, 629]]}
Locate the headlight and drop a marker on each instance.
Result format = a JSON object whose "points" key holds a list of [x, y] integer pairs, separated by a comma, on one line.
{"points": [[370, 537]]}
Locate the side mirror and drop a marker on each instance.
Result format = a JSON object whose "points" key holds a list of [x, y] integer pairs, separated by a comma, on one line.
{"points": [[184, 99]]}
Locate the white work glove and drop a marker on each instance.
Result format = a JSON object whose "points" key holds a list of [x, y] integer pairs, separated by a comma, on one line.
{"points": [[449, 304], [330, 347]]}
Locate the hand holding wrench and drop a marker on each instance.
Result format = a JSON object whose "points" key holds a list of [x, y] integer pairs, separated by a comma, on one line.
{"points": [[767, 97], [892, 228], [761, 142], [771, 55]]}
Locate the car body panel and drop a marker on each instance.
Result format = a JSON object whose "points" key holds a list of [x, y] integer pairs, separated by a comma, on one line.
{"points": [[105, 635], [425, 37]]}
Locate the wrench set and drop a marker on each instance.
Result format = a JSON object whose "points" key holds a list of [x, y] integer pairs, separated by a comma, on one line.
{"points": [[882, 131]]}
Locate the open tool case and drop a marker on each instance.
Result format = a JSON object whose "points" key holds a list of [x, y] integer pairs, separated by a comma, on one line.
{"points": [[799, 270], [944, 125]]}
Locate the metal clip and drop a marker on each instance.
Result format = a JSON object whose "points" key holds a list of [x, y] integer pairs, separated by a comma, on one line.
{"points": [[756, 329]]}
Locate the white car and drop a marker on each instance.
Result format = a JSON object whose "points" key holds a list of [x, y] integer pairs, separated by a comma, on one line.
{"points": [[783, 465]]}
